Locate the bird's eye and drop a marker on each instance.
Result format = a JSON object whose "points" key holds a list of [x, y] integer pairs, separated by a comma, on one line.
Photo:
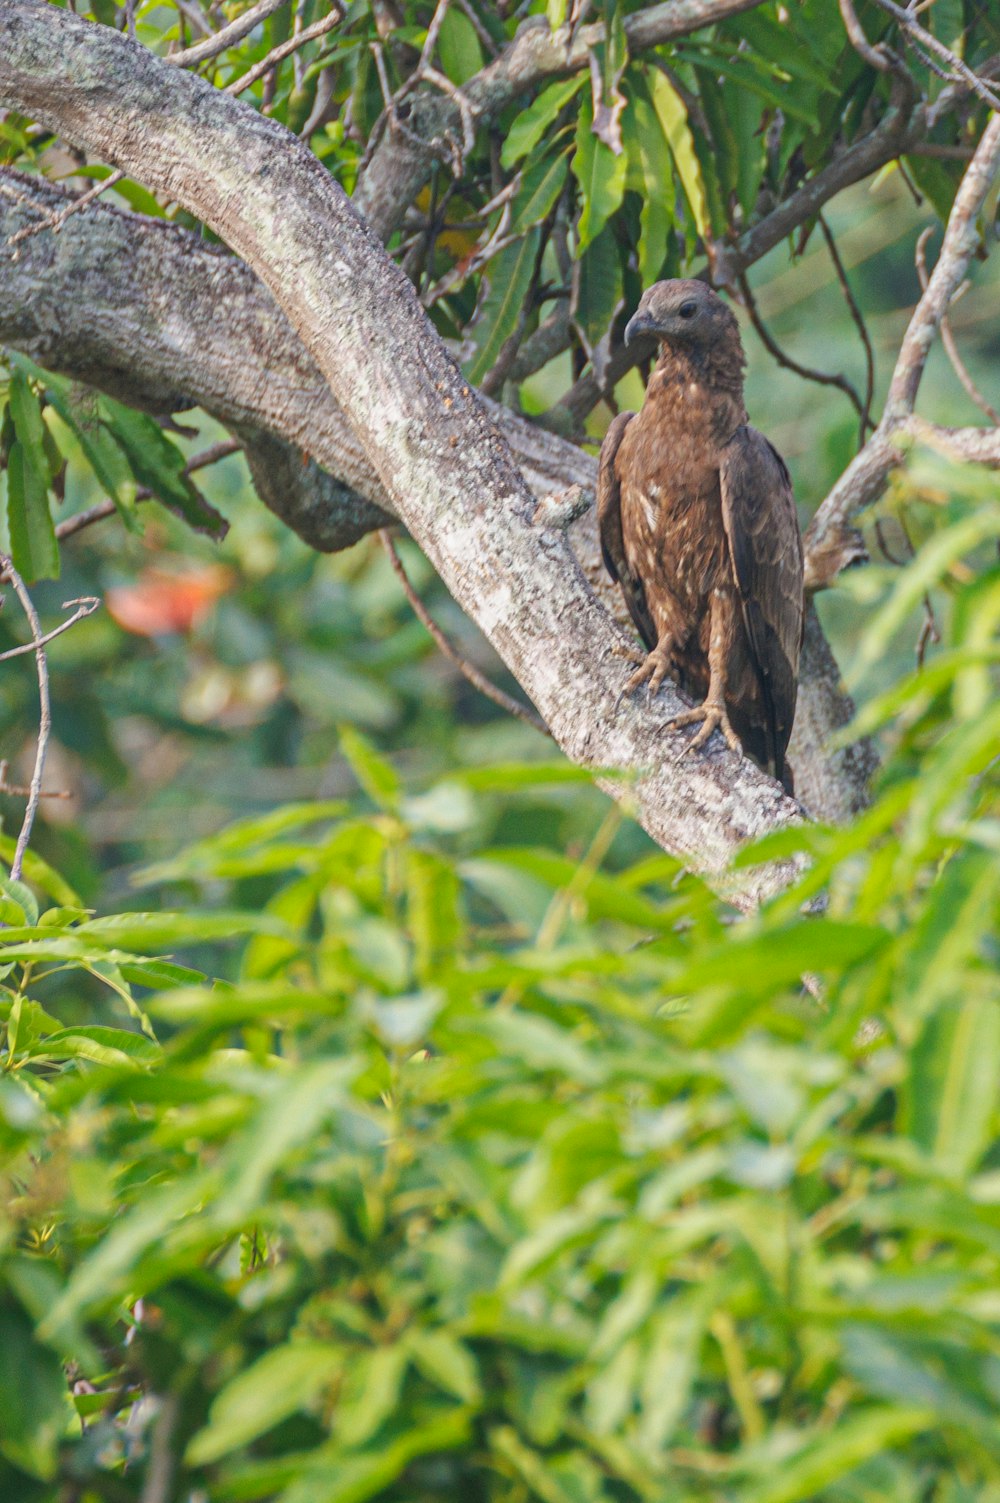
{"points": [[688, 309]]}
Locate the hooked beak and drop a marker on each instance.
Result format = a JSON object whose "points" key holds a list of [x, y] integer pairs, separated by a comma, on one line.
{"points": [[639, 325]]}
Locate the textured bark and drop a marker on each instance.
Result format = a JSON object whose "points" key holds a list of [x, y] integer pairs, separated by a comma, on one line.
{"points": [[64, 300], [448, 471]]}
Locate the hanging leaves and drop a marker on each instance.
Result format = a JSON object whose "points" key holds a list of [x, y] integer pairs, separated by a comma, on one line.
{"points": [[601, 175]]}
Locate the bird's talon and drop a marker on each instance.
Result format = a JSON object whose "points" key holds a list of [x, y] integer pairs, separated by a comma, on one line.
{"points": [[713, 718]]}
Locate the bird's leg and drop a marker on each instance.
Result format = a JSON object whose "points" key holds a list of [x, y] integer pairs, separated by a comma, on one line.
{"points": [[654, 667], [713, 713]]}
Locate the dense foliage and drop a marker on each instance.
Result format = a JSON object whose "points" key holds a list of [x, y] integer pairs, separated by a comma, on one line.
{"points": [[492, 1175], [431, 1135]]}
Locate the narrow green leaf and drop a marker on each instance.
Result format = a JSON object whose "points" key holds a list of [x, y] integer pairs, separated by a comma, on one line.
{"points": [[847, 1445], [33, 1398], [509, 276], [672, 113], [650, 156], [33, 543], [376, 775], [531, 124], [159, 464], [263, 1394], [601, 174], [446, 1362], [541, 186]]}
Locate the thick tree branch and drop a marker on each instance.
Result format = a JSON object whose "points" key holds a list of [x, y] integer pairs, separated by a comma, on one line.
{"points": [[402, 162], [448, 471], [98, 302]]}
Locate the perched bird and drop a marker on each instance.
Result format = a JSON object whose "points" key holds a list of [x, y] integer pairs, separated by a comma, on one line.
{"points": [[698, 526]]}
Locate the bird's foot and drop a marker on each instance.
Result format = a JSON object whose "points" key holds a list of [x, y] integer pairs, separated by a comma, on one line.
{"points": [[714, 718], [628, 652], [653, 668]]}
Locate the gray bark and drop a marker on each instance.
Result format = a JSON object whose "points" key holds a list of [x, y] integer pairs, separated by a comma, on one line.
{"points": [[444, 468], [62, 300]]}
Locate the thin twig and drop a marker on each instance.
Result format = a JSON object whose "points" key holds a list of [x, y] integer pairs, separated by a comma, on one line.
{"points": [[278, 54], [960, 240], [44, 716], [859, 323], [948, 339], [467, 669], [822, 378], [86, 606], [55, 222], [234, 32], [877, 57], [957, 69], [14, 790], [865, 478], [929, 631]]}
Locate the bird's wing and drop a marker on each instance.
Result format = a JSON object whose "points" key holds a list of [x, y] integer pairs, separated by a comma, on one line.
{"points": [[762, 529], [609, 522]]}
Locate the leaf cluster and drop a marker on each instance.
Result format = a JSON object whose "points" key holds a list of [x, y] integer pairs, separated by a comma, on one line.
{"points": [[499, 1174]]}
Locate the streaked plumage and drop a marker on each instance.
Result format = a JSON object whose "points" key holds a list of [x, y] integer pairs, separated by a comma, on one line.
{"points": [[698, 526]]}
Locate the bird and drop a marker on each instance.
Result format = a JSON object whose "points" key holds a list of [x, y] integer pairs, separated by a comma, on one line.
{"points": [[698, 526]]}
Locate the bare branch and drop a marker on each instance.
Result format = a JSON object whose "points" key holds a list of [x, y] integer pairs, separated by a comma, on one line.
{"points": [[865, 478], [85, 606], [821, 378], [44, 715], [468, 670], [189, 57], [878, 57], [948, 339], [859, 323], [956, 69], [960, 240], [285, 49], [56, 222]]}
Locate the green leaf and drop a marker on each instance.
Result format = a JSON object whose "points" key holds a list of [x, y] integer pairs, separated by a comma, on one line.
{"points": [[265, 1393], [531, 124], [40, 874], [649, 156], [99, 1045], [153, 930], [33, 543], [290, 1116], [851, 1442], [371, 1393], [23, 899], [542, 183], [601, 175], [33, 1397], [598, 293], [670, 109], [26, 412], [509, 277], [102, 453], [159, 464], [952, 1097], [446, 1362], [459, 47], [376, 775]]}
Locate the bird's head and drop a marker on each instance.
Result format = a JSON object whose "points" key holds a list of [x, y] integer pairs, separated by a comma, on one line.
{"points": [[684, 312]]}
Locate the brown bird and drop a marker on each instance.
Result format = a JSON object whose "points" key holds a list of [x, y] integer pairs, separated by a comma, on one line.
{"points": [[698, 526]]}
